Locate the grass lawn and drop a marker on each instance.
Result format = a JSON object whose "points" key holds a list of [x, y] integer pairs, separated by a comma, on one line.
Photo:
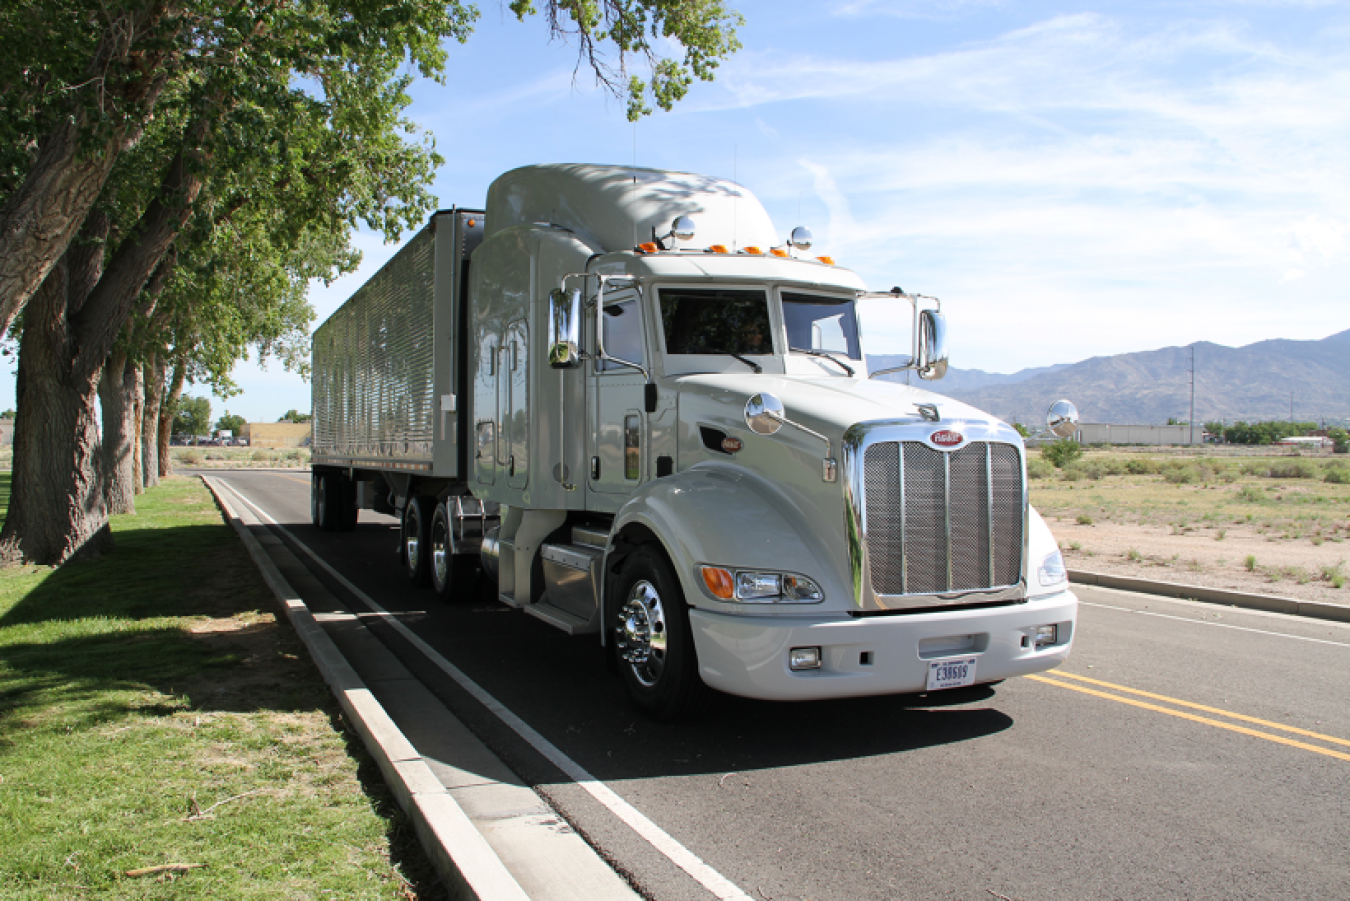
{"points": [[153, 711]]}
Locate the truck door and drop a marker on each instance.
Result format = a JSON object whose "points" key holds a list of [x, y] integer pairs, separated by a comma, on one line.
{"points": [[513, 390], [619, 427]]}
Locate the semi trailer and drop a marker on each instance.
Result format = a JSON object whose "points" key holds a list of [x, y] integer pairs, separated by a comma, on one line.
{"points": [[624, 400]]}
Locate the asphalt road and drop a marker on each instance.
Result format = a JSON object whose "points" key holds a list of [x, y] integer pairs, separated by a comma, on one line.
{"points": [[1185, 751]]}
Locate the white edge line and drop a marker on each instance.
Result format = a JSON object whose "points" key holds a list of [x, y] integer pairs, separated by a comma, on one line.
{"points": [[1200, 622], [658, 838]]}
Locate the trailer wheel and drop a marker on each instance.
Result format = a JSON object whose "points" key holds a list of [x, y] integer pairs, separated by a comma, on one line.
{"points": [[453, 576], [314, 478], [328, 505], [350, 512], [416, 546], [653, 641]]}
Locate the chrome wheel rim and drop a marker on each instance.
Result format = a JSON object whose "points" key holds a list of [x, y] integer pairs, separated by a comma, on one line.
{"points": [[440, 559], [410, 543], [642, 633]]}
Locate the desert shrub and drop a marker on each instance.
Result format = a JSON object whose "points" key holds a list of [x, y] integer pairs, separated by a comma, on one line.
{"points": [[1073, 473], [191, 458], [1182, 475], [1251, 494], [1113, 466], [1093, 469], [1141, 466], [1292, 469], [1039, 469], [260, 456], [1084, 519], [1062, 452], [1337, 475]]}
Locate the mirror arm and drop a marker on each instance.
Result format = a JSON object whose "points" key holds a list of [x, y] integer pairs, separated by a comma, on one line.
{"points": [[829, 466]]}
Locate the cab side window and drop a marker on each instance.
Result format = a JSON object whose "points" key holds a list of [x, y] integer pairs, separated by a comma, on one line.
{"points": [[623, 334]]}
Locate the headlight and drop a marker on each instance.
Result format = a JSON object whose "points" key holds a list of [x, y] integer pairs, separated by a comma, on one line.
{"points": [[1052, 571], [756, 587]]}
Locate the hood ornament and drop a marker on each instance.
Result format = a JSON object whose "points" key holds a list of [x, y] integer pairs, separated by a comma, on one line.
{"points": [[929, 412]]}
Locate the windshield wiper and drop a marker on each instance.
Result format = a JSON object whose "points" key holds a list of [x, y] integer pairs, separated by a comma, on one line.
{"points": [[748, 362], [816, 353]]}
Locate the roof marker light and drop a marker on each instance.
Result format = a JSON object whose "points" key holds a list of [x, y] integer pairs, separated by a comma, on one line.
{"points": [[648, 247], [828, 261], [718, 248], [754, 250]]}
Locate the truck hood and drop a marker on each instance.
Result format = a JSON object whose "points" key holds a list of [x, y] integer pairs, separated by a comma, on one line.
{"points": [[827, 405]]}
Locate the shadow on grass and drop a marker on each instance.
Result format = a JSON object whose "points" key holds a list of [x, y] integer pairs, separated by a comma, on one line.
{"points": [[175, 619]]}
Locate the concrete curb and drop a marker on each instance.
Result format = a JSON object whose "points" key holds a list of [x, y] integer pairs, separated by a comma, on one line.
{"points": [[1268, 602], [465, 861]]}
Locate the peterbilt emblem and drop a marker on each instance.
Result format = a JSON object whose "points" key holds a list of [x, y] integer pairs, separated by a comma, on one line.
{"points": [[946, 438], [731, 445]]}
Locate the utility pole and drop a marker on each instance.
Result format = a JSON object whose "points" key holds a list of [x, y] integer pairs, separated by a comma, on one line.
{"points": [[1192, 392]]}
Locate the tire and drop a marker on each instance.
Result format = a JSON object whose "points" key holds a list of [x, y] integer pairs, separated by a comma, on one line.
{"points": [[652, 639], [417, 515], [328, 506], [314, 499], [453, 576], [350, 512]]}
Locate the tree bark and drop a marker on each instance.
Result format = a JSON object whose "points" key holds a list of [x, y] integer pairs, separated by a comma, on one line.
{"points": [[117, 391], [153, 378], [171, 395], [56, 512]]}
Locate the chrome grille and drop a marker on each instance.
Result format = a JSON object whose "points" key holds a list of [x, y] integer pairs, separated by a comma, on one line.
{"points": [[940, 522]]}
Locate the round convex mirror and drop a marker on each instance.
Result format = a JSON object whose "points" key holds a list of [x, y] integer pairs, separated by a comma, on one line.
{"points": [[1062, 418], [764, 413]]}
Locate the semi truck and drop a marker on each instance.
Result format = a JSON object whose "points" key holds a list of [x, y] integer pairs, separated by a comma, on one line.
{"points": [[624, 400]]}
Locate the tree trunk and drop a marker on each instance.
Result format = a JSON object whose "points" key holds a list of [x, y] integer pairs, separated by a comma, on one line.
{"points": [[56, 510], [117, 391], [153, 378], [175, 390]]}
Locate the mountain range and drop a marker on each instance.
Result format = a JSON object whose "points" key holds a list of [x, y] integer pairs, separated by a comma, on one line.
{"points": [[1254, 382]]}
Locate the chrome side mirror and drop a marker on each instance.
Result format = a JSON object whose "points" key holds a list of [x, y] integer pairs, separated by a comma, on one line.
{"points": [[932, 345], [801, 238], [1062, 418], [682, 229], [564, 329], [764, 414]]}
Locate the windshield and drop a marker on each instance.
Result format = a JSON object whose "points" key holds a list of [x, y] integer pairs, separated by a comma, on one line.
{"points": [[716, 321], [826, 324]]}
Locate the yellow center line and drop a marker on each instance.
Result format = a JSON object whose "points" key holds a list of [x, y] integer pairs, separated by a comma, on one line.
{"points": [[1237, 716], [1278, 739]]}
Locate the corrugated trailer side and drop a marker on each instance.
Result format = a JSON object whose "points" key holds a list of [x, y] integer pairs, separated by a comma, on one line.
{"points": [[385, 386]]}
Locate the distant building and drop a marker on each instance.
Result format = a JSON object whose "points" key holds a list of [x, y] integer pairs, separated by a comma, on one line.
{"points": [[6, 432], [277, 434], [1107, 433]]}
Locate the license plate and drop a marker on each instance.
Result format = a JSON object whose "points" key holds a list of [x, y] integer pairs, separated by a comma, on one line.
{"points": [[951, 673]]}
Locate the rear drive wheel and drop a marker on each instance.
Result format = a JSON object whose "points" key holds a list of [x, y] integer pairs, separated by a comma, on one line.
{"points": [[653, 641], [416, 546], [453, 576]]}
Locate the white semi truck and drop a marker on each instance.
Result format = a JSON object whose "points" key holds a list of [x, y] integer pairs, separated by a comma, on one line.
{"points": [[619, 395]]}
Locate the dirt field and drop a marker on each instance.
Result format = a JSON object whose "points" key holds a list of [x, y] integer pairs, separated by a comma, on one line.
{"points": [[1265, 523]]}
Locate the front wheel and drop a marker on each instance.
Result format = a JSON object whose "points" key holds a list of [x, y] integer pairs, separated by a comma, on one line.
{"points": [[653, 640]]}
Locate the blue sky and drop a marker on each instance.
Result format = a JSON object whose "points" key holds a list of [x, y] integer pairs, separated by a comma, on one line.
{"points": [[1073, 180]]}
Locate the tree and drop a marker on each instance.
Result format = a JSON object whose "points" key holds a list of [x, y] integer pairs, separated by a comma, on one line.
{"points": [[230, 423], [1340, 440], [293, 416], [127, 122], [192, 416], [1022, 430]]}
